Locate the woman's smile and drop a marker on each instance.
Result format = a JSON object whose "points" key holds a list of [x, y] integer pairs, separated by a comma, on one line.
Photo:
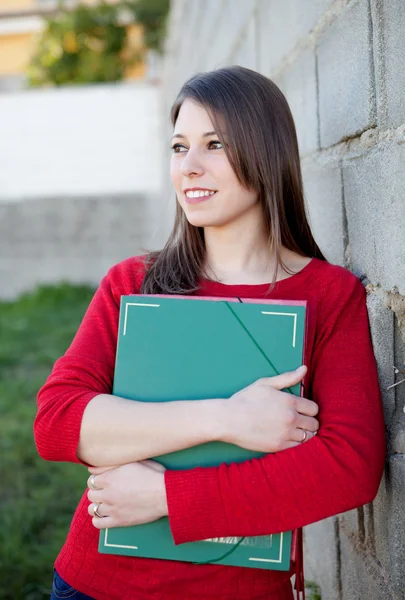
{"points": [[198, 196]]}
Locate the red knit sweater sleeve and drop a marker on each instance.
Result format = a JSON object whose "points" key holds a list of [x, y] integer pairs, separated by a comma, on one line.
{"points": [[336, 471], [86, 369]]}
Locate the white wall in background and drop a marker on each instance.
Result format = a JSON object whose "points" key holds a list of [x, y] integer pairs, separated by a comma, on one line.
{"points": [[87, 140]]}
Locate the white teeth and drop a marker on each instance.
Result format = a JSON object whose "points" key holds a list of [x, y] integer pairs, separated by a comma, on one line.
{"points": [[198, 193]]}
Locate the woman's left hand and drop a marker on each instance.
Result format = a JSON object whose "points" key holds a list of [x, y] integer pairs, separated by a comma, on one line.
{"points": [[129, 494]]}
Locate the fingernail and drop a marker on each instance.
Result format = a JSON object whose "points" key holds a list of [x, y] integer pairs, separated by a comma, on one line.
{"points": [[300, 369]]}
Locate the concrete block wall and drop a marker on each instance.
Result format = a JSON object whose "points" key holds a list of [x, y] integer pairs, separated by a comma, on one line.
{"points": [[340, 64], [75, 239]]}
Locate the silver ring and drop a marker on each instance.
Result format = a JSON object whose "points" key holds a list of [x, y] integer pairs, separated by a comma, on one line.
{"points": [[92, 483], [305, 436], [95, 510]]}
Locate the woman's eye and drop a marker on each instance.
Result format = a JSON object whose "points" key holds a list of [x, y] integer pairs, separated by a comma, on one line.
{"points": [[179, 148], [215, 142], [176, 148]]}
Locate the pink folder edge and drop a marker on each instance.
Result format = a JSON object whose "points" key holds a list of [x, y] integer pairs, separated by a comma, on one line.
{"points": [[225, 299], [180, 297]]}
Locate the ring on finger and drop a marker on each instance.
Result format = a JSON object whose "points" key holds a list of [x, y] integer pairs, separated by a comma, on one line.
{"points": [[96, 506], [92, 482], [305, 435]]}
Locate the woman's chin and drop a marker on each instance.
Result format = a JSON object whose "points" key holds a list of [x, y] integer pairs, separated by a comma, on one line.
{"points": [[200, 221]]}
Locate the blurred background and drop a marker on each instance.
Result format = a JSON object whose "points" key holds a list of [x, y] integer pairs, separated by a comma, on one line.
{"points": [[81, 143], [85, 93]]}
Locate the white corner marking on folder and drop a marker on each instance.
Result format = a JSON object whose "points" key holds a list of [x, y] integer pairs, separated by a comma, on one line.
{"points": [[135, 304], [286, 315], [272, 560], [232, 540], [107, 543]]}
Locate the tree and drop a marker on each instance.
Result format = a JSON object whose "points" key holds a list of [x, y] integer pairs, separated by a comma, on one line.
{"points": [[89, 43]]}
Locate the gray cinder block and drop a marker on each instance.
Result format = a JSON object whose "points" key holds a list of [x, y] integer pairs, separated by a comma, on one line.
{"points": [[298, 82], [346, 83], [374, 196], [323, 193]]}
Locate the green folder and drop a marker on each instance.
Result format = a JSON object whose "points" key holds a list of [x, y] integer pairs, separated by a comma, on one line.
{"points": [[190, 348]]}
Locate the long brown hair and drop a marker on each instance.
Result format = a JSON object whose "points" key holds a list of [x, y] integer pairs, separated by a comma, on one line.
{"points": [[262, 149]]}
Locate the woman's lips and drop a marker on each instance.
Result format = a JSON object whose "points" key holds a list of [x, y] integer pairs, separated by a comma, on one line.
{"points": [[199, 199]]}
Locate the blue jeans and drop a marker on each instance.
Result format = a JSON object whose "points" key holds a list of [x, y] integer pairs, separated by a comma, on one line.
{"points": [[61, 589]]}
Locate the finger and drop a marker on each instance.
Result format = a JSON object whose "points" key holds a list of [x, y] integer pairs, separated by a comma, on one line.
{"points": [[101, 509], [103, 523], [288, 445], [95, 495], [301, 435], [99, 470], [285, 380], [308, 423], [293, 444], [93, 482], [153, 464], [305, 406], [95, 470]]}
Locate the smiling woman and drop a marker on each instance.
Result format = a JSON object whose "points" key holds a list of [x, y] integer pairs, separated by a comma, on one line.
{"points": [[240, 231], [201, 160], [233, 134]]}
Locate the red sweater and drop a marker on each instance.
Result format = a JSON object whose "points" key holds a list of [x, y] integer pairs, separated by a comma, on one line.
{"points": [[336, 471]]}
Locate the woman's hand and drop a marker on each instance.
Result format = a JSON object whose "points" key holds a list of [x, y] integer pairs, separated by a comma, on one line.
{"points": [[130, 494], [262, 418]]}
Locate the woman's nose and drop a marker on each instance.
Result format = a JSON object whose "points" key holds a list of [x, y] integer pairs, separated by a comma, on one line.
{"points": [[191, 164]]}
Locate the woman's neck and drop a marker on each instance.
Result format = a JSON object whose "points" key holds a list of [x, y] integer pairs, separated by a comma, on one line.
{"points": [[235, 256], [238, 250]]}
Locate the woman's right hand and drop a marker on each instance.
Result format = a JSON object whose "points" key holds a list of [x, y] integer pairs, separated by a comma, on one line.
{"points": [[263, 418]]}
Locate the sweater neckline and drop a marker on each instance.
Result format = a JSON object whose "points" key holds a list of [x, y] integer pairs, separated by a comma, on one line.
{"points": [[209, 284]]}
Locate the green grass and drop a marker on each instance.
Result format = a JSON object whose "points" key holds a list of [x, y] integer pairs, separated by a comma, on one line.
{"points": [[313, 591], [37, 498]]}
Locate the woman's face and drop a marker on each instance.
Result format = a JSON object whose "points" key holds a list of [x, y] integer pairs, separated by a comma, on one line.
{"points": [[199, 166]]}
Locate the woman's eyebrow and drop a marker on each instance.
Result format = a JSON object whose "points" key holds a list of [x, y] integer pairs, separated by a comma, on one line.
{"points": [[208, 134]]}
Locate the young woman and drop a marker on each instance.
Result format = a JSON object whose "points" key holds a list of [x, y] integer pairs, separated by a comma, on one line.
{"points": [[240, 230]]}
